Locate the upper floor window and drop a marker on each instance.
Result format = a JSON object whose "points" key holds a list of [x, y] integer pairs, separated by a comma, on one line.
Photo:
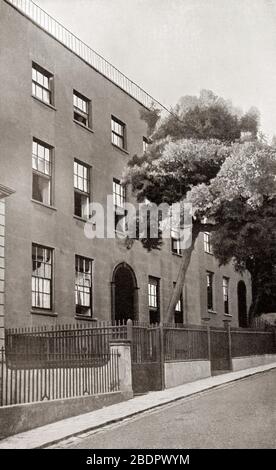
{"points": [[81, 108], [42, 172], [119, 199], [210, 296], [145, 144], [118, 130], [225, 287], [42, 263], [81, 189], [207, 243], [153, 300], [42, 84], [83, 285]]}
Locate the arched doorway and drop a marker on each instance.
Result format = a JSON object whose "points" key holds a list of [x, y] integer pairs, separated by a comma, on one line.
{"points": [[124, 293], [242, 305]]}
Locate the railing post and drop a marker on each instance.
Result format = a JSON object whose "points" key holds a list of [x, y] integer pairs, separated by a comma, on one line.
{"points": [[228, 329], [162, 356], [208, 330], [130, 330]]}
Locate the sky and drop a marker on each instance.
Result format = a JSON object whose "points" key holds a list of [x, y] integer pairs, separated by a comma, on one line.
{"points": [[173, 48]]}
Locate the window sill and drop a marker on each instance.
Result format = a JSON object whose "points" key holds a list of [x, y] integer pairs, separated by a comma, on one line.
{"points": [[228, 315], [120, 148], [83, 126], [47, 313], [81, 219], [177, 254], [212, 311], [87, 318], [44, 205], [44, 102]]}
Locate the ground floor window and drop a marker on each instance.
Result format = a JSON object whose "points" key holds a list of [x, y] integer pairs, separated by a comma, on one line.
{"points": [[83, 285], [42, 263], [210, 296], [153, 299]]}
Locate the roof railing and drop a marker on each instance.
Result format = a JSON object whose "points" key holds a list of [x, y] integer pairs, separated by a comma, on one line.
{"points": [[59, 32]]}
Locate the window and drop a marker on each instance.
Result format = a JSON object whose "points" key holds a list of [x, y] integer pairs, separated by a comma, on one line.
{"points": [[175, 239], [178, 313], [153, 300], [83, 285], [145, 144], [42, 84], [225, 287], [176, 245], [81, 190], [118, 133], [119, 199], [42, 172], [207, 243], [81, 108], [210, 303], [42, 260]]}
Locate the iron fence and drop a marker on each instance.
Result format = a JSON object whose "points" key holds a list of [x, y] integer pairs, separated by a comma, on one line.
{"points": [[98, 374], [70, 344], [185, 343], [252, 342]]}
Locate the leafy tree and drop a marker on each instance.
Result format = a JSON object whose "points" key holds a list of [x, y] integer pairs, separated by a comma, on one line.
{"points": [[230, 183]]}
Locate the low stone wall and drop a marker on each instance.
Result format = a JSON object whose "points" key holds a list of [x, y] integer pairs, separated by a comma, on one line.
{"points": [[181, 372], [246, 362], [19, 418]]}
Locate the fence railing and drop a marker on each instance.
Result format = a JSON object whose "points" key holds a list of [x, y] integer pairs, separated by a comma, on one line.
{"points": [[76, 344], [188, 343], [26, 384], [248, 343], [59, 32]]}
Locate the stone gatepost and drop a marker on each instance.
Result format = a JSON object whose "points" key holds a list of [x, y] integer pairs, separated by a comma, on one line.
{"points": [[123, 348], [3, 193]]}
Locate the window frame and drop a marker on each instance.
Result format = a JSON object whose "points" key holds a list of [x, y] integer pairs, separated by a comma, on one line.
{"points": [[145, 144], [41, 174], [119, 209], [117, 134], [35, 83], [207, 243], [210, 290], [154, 310], [226, 303], [84, 259], [84, 114], [181, 311], [51, 279], [86, 194]]}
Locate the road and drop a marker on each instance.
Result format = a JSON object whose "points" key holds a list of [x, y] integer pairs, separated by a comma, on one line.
{"points": [[239, 415]]}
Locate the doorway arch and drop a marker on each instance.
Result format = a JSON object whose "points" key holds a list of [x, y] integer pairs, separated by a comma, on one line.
{"points": [[124, 291], [242, 304]]}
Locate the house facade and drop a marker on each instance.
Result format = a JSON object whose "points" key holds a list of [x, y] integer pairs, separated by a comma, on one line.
{"points": [[69, 122]]}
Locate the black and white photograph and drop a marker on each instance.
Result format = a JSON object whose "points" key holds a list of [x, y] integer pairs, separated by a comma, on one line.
{"points": [[137, 229]]}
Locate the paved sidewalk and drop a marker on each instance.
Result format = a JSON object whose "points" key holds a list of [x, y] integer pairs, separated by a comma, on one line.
{"points": [[50, 434]]}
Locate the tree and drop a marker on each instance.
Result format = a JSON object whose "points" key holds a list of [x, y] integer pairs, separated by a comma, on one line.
{"points": [[241, 201], [207, 117], [232, 184]]}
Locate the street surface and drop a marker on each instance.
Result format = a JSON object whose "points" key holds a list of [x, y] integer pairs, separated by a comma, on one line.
{"points": [[239, 415]]}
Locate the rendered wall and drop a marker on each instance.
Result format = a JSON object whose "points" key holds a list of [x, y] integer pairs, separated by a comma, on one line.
{"points": [[178, 373]]}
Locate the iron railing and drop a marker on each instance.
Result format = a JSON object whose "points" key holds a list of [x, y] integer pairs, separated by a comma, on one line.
{"points": [[186, 343], [27, 384], [252, 342], [70, 344], [65, 37]]}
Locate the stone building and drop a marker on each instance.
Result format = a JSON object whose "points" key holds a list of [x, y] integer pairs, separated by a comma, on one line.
{"points": [[69, 122]]}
